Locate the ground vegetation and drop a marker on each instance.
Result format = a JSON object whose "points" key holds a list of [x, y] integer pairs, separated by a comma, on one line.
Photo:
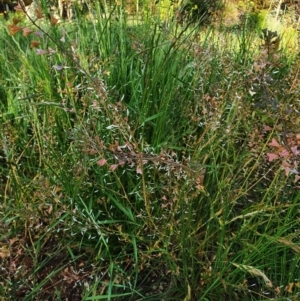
{"points": [[142, 158]]}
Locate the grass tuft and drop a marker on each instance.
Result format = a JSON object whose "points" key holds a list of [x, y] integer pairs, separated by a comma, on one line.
{"points": [[146, 160]]}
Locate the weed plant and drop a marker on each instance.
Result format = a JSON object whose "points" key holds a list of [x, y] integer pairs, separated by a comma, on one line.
{"points": [[142, 161]]}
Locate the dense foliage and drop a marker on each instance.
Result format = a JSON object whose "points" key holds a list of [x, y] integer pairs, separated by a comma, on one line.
{"points": [[142, 158]]}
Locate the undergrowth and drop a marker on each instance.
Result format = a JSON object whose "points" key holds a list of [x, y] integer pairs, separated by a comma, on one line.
{"points": [[146, 162]]}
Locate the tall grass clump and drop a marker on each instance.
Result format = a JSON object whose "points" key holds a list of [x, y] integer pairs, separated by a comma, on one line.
{"points": [[146, 161]]}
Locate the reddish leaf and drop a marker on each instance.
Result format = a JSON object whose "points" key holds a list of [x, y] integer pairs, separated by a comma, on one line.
{"points": [[113, 167], [272, 157], [274, 143], [27, 31], [284, 153], [101, 162], [13, 29], [297, 178], [39, 51], [19, 8], [266, 128], [53, 20], [38, 34], [294, 149], [16, 20], [287, 170], [34, 44], [38, 13], [286, 164], [122, 163], [139, 170]]}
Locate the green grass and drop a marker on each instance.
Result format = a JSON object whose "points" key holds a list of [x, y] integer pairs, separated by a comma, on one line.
{"points": [[141, 170]]}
